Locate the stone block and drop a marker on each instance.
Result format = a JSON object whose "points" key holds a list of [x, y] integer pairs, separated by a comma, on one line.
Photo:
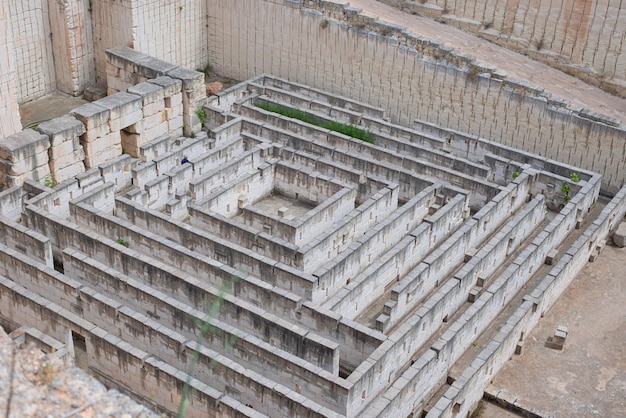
{"points": [[26, 165], [120, 56], [61, 130], [155, 132], [175, 124], [37, 174], [473, 294], [151, 67], [95, 159], [596, 251], [552, 343], [560, 336], [102, 144], [120, 105], [64, 148], [175, 102], [68, 172], [23, 145], [69, 159], [153, 108], [94, 92], [619, 237], [175, 111], [551, 257], [125, 121], [470, 253], [136, 63], [154, 120], [149, 93], [171, 87], [118, 83], [480, 281], [92, 115], [193, 82], [95, 133]]}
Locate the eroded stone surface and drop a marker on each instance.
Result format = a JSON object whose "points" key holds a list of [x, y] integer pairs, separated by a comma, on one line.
{"points": [[36, 385]]}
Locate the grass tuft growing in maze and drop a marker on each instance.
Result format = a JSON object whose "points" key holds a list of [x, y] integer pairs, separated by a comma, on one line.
{"points": [[343, 128]]}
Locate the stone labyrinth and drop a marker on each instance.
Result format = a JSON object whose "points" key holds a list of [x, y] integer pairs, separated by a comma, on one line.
{"points": [[314, 274]]}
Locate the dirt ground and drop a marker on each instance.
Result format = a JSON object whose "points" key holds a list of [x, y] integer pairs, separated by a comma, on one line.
{"points": [[48, 107], [587, 378]]}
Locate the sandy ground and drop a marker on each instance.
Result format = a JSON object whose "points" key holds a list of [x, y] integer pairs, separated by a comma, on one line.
{"points": [[48, 107], [587, 378]]}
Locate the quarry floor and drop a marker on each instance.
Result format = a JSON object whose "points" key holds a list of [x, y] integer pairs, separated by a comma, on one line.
{"points": [[48, 107], [588, 377]]}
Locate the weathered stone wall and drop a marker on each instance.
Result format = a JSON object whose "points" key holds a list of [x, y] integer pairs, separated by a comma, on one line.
{"points": [[584, 38], [112, 26], [9, 115], [72, 43], [467, 390], [410, 77], [175, 31], [50, 45], [61, 44], [34, 64]]}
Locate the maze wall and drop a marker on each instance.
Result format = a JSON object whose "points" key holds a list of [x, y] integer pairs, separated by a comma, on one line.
{"points": [[314, 274], [328, 45]]}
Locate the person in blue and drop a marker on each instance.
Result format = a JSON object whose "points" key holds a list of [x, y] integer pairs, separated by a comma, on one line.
{"points": [[184, 160]]}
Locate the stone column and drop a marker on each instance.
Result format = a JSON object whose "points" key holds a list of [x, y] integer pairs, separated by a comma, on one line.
{"points": [[66, 154], [70, 23]]}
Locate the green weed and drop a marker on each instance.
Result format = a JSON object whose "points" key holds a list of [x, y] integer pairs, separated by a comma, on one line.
{"points": [[50, 181], [123, 242], [201, 113], [346, 129]]}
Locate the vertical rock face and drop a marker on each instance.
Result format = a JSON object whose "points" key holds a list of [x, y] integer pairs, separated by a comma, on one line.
{"points": [[34, 384], [9, 114], [72, 44], [32, 48], [583, 38]]}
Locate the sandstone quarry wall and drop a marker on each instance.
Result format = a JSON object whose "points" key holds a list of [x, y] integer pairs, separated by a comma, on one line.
{"points": [[586, 38], [330, 46], [32, 52], [9, 114], [60, 45], [72, 43], [174, 31]]}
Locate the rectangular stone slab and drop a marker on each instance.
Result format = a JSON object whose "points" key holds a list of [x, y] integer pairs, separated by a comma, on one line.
{"points": [[23, 145]]}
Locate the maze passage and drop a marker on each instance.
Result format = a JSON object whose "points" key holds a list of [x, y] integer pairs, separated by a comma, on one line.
{"points": [[281, 267]]}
